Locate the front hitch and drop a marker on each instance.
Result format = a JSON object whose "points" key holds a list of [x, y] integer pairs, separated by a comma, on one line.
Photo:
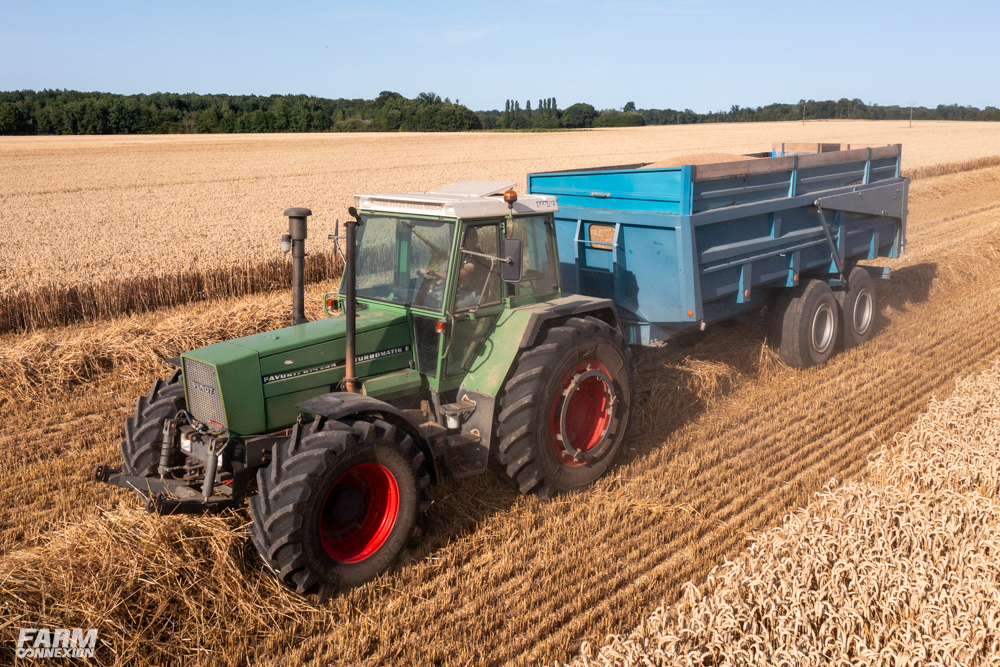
{"points": [[170, 496]]}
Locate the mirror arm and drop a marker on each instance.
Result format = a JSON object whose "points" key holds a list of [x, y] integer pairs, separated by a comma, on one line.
{"points": [[505, 260]]}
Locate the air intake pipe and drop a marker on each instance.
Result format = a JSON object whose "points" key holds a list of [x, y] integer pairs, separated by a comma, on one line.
{"points": [[295, 240]]}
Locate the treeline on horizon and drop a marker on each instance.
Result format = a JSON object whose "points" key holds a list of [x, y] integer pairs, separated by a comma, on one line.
{"points": [[46, 112]]}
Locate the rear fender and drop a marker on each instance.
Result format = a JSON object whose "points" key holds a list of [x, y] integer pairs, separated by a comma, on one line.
{"points": [[519, 328], [604, 312], [338, 405]]}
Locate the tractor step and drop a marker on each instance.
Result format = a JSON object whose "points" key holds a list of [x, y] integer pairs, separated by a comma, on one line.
{"points": [[463, 439], [455, 413], [462, 449], [464, 407]]}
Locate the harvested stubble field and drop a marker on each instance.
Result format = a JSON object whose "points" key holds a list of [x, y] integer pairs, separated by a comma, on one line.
{"points": [[102, 226], [726, 442]]}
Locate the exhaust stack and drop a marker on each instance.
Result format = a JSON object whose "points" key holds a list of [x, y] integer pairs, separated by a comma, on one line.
{"points": [[297, 238], [350, 294]]}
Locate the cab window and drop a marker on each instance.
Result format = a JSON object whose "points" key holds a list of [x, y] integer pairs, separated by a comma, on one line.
{"points": [[478, 276], [539, 274]]}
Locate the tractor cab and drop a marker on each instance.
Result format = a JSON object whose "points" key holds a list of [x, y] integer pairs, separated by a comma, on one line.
{"points": [[453, 259]]}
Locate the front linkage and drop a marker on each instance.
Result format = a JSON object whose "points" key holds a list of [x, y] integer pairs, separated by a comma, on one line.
{"points": [[213, 475]]}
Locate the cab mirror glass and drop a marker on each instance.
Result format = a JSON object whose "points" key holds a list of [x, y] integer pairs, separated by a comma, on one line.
{"points": [[510, 271]]}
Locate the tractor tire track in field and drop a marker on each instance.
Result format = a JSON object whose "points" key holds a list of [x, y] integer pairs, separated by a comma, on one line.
{"points": [[501, 579]]}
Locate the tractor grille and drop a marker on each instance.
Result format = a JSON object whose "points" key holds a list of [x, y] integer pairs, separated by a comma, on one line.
{"points": [[204, 398]]}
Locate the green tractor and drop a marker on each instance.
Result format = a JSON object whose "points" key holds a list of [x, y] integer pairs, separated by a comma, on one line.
{"points": [[457, 353]]}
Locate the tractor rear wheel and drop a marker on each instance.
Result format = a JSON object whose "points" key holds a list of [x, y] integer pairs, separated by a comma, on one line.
{"points": [[805, 324], [858, 305], [338, 503], [144, 429], [564, 410]]}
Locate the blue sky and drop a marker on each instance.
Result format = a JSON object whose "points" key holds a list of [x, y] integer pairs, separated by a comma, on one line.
{"points": [[702, 55]]}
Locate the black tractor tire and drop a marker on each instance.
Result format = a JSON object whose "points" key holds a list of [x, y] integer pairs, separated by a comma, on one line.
{"points": [[805, 324], [565, 408], [858, 306], [144, 429], [339, 504]]}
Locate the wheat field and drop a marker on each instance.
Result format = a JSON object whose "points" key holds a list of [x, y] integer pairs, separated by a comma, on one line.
{"points": [[726, 442], [101, 226], [898, 570]]}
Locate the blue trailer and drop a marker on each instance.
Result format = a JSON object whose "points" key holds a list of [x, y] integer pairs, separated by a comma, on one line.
{"points": [[682, 247]]}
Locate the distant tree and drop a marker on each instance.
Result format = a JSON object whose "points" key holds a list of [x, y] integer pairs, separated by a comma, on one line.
{"points": [[208, 121], [299, 117], [615, 118], [12, 119], [629, 106], [579, 115]]}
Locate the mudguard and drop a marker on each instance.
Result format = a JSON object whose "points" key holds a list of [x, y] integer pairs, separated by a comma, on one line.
{"points": [[340, 404]]}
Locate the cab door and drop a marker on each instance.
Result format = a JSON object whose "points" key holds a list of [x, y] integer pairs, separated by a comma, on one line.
{"points": [[478, 299]]}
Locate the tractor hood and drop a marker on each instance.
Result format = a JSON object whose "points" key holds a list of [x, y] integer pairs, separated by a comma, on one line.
{"points": [[282, 341], [251, 385]]}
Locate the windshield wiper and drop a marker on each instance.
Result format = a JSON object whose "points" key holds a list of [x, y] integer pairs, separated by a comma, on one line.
{"points": [[420, 236]]}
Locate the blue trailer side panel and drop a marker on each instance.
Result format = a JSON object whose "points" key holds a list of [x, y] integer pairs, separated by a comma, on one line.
{"points": [[673, 247], [654, 190]]}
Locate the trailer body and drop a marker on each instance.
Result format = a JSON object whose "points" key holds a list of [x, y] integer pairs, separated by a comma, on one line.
{"points": [[681, 246]]}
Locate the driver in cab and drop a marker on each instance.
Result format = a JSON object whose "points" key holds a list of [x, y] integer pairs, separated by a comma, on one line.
{"points": [[473, 275]]}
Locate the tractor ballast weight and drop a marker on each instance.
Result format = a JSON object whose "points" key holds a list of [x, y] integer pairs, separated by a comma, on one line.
{"points": [[458, 350]]}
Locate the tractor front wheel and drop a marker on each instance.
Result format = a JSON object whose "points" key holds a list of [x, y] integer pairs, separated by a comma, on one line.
{"points": [[144, 430], [338, 503], [564, 409]]}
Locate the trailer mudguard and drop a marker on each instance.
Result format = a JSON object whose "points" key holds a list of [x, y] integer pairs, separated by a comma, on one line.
{"points": [[337, 405]]}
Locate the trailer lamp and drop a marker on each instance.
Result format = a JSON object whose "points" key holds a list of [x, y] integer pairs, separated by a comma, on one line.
{"points": [[746, 294], [795, 277], [690, 313], [510, 197], [286, 242], [439, 327]]}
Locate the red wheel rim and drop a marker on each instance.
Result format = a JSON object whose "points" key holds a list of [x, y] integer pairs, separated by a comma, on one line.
{"points": [[582, 413], [359, 513]]}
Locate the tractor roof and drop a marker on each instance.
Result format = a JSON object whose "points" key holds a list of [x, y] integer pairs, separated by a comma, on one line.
{"points": [[464, 199]]}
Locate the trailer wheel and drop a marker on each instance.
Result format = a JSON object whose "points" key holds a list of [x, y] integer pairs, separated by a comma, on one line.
{"points": [[805, 324], [565, 407], [858, 305], [144, 429], [338, 503]]}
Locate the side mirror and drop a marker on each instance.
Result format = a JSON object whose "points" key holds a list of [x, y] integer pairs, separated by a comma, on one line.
{"points": [[510, 271]]}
